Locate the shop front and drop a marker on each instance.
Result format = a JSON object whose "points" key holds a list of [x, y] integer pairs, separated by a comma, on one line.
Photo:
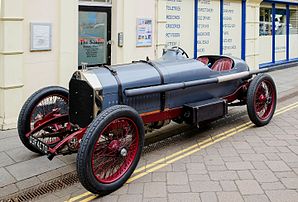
{"points": [[278, 33], [220, 28]]}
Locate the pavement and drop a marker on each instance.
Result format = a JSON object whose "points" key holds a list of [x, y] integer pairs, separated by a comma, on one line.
{"points": [[240, 164]]}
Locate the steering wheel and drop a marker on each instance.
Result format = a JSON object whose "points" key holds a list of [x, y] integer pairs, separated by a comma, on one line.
{"points": [[183, 52]]}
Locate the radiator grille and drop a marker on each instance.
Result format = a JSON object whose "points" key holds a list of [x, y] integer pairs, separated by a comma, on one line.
{"points": [[81, 103]]}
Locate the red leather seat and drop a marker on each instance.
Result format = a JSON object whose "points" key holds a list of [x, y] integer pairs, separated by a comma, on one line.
{"points": [[204, 60], [223, 64]]}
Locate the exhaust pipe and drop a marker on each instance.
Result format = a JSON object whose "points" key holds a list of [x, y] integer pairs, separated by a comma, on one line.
{"points": [[187, 84]]}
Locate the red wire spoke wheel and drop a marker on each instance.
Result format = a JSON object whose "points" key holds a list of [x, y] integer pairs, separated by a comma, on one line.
{"points": [[110, 149], [261, 99], [40, 107], [115, 150], [47, 108]]}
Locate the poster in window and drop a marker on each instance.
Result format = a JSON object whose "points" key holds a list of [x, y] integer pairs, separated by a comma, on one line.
{"points": [[208, 40], [232, 25], [174, 17], [92, 37], [144, 32]]}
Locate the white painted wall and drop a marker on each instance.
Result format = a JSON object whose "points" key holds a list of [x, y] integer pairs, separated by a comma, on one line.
{"points": [[40, 68]]}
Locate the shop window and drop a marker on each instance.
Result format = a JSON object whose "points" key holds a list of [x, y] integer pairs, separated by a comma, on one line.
{"points": [[265, 21], [231, 28], [280, 32], [293, 26], [281, 22], [294, 20], [265, 33], [208, 38]]}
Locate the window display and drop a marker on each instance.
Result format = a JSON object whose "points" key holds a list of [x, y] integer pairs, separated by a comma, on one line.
{"points": [[265, 21], [265, 33], [293, 26], [231, 27], [280, 19], [208, 41]]}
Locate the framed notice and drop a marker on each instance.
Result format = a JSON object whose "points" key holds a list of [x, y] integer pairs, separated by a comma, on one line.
{"points": [[41, 36], [144, 32]]}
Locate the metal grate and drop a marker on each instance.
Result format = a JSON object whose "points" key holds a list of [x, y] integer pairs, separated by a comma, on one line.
{"points": [[49, 187]]}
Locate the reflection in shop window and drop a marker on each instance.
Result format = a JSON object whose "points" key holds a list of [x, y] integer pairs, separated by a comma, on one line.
{"points": [[265, 21], [294, 21], [293, 32], [280, 22]]}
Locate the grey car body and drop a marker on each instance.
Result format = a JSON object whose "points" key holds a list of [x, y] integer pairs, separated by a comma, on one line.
{"points": [[104, 84]]}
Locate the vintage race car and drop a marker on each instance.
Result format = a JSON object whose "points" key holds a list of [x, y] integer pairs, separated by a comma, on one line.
{"points": [[108, 109]]}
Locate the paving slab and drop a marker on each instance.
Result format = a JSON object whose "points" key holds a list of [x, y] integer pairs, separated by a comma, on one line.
{"points": [[229, 196], [155, 190], [282, 195], [5, 160], [21, 154], [34, 167], [9, 143], [277, 166], [177, 178], [239, 166], [290, 183], [208, 197], [205, 186], [249, 187], [6, 178], [256, 198], [264, 176], [190, 197]]}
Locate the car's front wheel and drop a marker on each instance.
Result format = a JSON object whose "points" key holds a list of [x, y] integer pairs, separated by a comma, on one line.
{"points": [[110, 149]]}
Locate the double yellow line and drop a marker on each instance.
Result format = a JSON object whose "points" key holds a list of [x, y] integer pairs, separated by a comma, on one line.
{"points": [[145, 170]]}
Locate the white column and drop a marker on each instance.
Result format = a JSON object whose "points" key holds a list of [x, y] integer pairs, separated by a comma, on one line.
{"points": [[117, 27], [252, 33], [68, 56], [11, 61]]}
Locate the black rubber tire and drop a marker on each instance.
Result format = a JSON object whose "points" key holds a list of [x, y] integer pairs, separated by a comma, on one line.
{"points": [[84, 168], [250, 99], [28, 107]]}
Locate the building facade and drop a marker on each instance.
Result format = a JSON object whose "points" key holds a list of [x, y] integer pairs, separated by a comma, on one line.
{"points": [[42, 42]]}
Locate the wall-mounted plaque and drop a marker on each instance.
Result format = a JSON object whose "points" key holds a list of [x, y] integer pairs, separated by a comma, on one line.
{"points": [[41, 36]]}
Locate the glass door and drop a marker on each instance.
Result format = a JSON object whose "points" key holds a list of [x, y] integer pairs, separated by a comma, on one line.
{"points": [[94, 35]]}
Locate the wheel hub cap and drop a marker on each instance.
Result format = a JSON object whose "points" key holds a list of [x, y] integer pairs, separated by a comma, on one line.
{"points": [[123, 152], [262, 98], [114, 145]]}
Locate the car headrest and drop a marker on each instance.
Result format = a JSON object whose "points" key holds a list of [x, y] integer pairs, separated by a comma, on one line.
{"points": [[204, 60], [222, 64]]}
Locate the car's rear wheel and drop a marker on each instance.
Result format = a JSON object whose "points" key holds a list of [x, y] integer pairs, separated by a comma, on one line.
{"points": [[261, 99], [110, 149], [50, 100]]}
